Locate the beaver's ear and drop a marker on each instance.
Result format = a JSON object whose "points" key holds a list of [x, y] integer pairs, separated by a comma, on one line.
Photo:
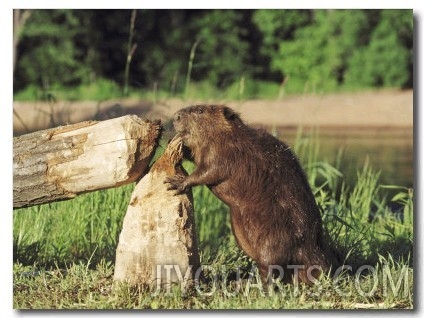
{"points": [[230, 114]]}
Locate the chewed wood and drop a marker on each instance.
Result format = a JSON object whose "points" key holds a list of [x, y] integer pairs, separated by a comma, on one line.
{"points": [[62, 162]]}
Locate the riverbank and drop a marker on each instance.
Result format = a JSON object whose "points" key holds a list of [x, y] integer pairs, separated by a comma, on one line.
{"points": [[386, 109]]}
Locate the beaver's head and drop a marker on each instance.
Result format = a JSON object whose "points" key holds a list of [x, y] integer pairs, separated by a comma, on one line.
{"points": [[200, 124]]}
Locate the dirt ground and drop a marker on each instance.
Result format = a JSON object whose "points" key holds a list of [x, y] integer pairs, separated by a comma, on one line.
{"points": [[387, 108]]}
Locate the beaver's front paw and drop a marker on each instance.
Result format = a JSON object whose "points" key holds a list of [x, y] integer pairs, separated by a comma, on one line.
{"points": [[177, 182]]}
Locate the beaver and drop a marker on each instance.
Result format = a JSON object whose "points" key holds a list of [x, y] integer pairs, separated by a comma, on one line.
{"points": [[274, 215]]}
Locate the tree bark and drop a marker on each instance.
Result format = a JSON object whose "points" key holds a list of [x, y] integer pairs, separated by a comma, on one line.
{"points": [[157, 245], [60, 163]]}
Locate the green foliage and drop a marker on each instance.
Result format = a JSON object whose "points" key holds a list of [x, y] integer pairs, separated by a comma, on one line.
{"points": [[318, 56], [52, 52], [221, 51], [245, 87], [98, 90], [359, 217], [386, 59], [63, 233], [276, 25], [312, 50]]}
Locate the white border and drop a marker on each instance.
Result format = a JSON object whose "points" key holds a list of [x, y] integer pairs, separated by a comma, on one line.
{"points": [[424, 118]]}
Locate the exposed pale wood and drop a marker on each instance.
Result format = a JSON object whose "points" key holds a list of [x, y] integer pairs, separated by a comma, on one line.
{"points": [[157, 244], [60, 163]]}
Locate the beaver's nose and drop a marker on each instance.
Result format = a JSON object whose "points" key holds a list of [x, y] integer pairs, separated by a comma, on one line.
{"points": [[177, 116]]}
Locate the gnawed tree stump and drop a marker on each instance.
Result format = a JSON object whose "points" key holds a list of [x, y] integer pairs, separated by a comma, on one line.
{"points": [[60, 163], [157, 245]]}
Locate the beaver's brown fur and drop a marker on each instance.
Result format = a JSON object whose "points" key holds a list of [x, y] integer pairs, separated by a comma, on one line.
{"points": [[274, 215]]}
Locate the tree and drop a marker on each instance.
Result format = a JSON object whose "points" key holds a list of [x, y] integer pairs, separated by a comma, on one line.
{"points": [[387, 59], [222, 51], [318, 50], [276, 26], [318, 54], [20, 18], [164, 43], [47, 52]]}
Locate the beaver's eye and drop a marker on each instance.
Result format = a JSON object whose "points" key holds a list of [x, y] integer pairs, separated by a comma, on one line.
{"points": [[200, 111]]}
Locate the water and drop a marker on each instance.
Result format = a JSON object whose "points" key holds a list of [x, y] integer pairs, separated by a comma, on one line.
{"points": [[389, 150]]}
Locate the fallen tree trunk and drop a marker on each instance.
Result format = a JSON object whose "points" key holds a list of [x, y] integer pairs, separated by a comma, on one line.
{"points": [[157, 245], [60, 163]]}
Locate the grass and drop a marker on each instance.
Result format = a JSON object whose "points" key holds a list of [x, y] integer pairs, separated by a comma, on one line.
{"points": [[64, 252], [105, 89]]}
